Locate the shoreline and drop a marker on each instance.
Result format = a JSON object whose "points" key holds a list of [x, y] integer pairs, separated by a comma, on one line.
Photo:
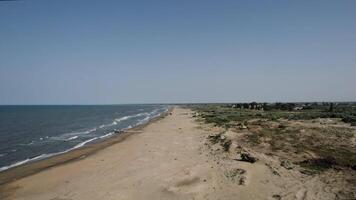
{"points": [[12, 174], [176, 158]]}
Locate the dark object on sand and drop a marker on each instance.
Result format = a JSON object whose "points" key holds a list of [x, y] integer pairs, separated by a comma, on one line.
{"points": [[118, 131], [247, 158], [286, 164], [226, 145], [319, 163], [215, 138]]}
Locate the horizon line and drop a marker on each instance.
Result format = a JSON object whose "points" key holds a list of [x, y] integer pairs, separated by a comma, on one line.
{"points": [[113, 104]]}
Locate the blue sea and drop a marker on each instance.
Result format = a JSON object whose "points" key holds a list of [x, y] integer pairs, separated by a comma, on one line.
{"points": [[30, 133]]}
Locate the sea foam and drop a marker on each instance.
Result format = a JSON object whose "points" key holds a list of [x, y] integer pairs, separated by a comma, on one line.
{"points": [[75, 135]]}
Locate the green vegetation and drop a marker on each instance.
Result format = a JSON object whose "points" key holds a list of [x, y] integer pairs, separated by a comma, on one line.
{"points": [[220, 138], [224, 114], [275, 125]]}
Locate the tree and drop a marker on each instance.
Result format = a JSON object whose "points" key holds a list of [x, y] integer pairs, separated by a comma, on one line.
{"points": [[331, 107]]}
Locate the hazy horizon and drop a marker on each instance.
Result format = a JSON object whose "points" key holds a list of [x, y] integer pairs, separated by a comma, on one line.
{"points": [[183, 103], [91, 52]]}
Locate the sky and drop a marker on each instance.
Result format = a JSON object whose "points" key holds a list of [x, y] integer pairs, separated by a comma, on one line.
{"points": [[183, 51]]}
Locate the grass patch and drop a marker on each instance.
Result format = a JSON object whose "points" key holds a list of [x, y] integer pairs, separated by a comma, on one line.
{"points": [[316, 165], [222, 115], [330, 144]]}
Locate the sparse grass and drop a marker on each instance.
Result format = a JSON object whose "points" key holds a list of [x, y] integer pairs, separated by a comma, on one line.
{"points": [[318, 165], [314, 146], [234, 172], [221, 115], [236, 175], [215, 138], [226, 145], [253, 138], [342, 156], [327, 142]]}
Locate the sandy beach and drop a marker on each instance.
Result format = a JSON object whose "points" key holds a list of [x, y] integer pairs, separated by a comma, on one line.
{"points": [[141, 167], [164, 161], [177, 100], [168, 159]]}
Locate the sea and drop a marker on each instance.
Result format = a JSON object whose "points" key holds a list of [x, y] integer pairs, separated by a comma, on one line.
{"points": [[31, 133]]}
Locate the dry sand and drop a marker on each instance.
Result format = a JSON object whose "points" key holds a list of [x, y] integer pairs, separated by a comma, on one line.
{"points": [[169, 159]]}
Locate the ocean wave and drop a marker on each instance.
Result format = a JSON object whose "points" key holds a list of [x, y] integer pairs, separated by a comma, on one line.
{"points": [[107, 125], [131, 116], [128, 127], [75, 135], [43, 156], [107, 135], [148, 115], [123, 118], [28, 144], [70, 136], [83, 143], [25, 161], [144, 120]]}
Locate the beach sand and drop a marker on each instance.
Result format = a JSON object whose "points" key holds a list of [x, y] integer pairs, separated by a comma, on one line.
{"points": [[167, 159]]}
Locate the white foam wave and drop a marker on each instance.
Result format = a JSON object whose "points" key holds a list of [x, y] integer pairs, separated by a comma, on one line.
{"points": [[127, 127], [106, 135], [126, 118], [26, 144], [83, 143], [107, 125], [72, 138], [25, 161], [42, 156], [74, 135], [144, 120], [122, 118]]}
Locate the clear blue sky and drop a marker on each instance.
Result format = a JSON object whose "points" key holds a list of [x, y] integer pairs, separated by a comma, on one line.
{"points": [[104, 52]]}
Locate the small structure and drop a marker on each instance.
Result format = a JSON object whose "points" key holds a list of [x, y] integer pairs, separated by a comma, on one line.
{"points": [[298, 108]]}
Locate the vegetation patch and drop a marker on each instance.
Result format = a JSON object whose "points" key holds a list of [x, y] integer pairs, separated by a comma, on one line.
{"points": [[226, 145], [315, 138], [220, 138], [223, 114], [236, 175], [290, 130], [248, 158], [319, 164]]}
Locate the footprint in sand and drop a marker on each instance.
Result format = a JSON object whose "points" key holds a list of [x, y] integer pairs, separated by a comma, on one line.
{"points": [[301, 194], [187, 185], [188, 181]]}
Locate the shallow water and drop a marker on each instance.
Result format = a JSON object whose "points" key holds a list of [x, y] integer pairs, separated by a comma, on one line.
{"points": [[29, 133]]}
